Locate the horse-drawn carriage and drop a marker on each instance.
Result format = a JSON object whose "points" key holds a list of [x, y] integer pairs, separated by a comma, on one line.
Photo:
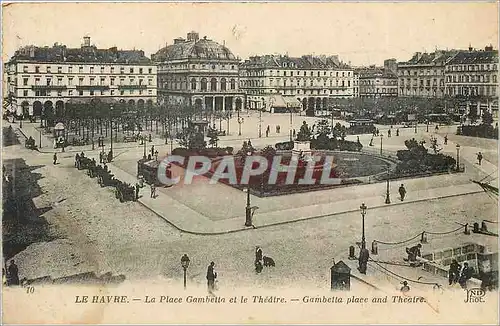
{"points": [[124, 191], [30, 144], [105, 178], [148, 169]]}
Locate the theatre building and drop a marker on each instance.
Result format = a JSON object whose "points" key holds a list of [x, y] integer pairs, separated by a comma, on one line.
{"points": [[199, 73], [43, 79]]}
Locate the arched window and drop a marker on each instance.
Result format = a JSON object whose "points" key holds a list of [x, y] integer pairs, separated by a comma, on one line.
{"points": [[213, 84], [233, 84], [203, 84], [193, 84], [223, 84], [494, 78]]}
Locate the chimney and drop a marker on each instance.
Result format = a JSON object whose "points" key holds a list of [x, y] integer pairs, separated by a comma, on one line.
{"points": [[86, 41], [470, 47], [488, 48]]}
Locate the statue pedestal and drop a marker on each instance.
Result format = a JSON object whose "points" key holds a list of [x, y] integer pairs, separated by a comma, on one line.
{"points": [[301, 148]]}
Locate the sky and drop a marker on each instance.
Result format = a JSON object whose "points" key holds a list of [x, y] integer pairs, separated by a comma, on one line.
{"points": [[360, 33]]}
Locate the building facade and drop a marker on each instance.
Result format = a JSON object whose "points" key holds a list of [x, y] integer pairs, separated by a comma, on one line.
{"points": [[43, 78], [200, 73], [424, 74], [309, 81], [377, 82], [473, 77]]}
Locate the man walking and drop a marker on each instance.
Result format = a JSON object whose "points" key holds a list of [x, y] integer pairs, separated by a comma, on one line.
{"points": [[136, 191], [55, 158], [153, 190], [479, 158], [446, 139], [465, 276], [211, 276], [454, 272], [402, 192]]}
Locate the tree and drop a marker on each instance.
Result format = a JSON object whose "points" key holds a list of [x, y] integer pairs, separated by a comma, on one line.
{"points": [[487, 118], [472, 115], [192, 139], [213, 137]]}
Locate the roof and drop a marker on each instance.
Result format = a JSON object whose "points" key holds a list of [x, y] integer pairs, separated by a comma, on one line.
{"points": [[284, 61], [193, 48], [474, 57], [341, 267], [438, 57], [61, 53]]}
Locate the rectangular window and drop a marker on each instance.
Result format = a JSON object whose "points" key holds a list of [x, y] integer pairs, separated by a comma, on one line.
{"points": [[80, 69], [92, 81], [59, 70], [70, 70], [37, 81], [112, 81], [48, 80], [131, 70], [150, 92], [59, 81], [70, 92], [102, 70], [112, 92], [59, 93], [25, 92], [25, 69], [140, 70], [80, 81], [80, 93], [121, 81], [37, 93], [91, 70], [102, 92], [92, 93], [122, 70], [140, 92], [48, 69], [150, 70], [150, 82], [102, 81], [112, 69], [122, 92], [37, 69], [70, 81], [131, 92], [25, 81]]}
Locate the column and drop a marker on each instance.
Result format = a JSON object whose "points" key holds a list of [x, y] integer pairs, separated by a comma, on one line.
{"points": [[223, 104], [213, 103]]}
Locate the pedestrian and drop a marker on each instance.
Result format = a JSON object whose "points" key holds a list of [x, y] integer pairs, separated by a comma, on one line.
{"points": [[211, 277], [413, 253], [479, 158], [12, 274], [371, 142], [402, 192], [446, 139], [150, 138], [294, 133], [454, 272], [258, 254], [267, 133], [279, 129], [137, 191], [405, 288], [55, 158], [268, 129], [77, 160], [152, 150], [465, 275], [101, 157], [153, 190], [437, 127], [389, 133], [397, 132], [358, 139]]}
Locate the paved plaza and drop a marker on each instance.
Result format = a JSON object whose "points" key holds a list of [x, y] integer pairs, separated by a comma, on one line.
{"points": [[145, 239]]}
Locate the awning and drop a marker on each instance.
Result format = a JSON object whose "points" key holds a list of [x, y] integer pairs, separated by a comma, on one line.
{"points": [[279, 101]]}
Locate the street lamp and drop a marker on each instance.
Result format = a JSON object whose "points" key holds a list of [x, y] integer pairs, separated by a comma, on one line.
{"points": [[458, 156], [291, 122], [363, 213], [185, 264], [381, 144], [260, 117], [387, 193], [144, 143], [248, 208], [111, 131], [427, 130], [416, 123]]}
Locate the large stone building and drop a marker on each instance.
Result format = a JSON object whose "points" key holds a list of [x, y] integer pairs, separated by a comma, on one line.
{"points": [[377, 82], [473, 77], [41, 79], [307, 82], [200, 73], [424, 74]]}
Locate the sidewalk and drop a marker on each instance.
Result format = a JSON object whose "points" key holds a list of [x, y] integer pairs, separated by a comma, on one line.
{"points": [[190, 221]]}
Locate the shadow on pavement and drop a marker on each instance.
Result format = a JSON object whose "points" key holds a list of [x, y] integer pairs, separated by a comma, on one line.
{"points": [[10, 138], [22, 223]]}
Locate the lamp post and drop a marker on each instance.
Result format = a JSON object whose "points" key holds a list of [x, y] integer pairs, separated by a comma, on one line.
{"points": [[381, 144], [427, 130], [248, 208], [363, 213], [260, 118], [21, 121], [240, 122], [185, 264], [111, 131], [40, 139], [416, 123], [458, 156], [291, 121], [387, 192], [144, 155]]}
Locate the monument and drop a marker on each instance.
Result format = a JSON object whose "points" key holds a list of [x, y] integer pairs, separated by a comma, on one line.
{"points": [[302, 144]]}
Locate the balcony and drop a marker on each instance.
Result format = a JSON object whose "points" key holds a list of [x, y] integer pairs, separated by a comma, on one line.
{"points": [[48, 87], [92, 87], [132, 86]]}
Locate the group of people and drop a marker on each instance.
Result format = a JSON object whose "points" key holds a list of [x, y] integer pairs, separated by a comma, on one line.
{"points": [[459, 274], [278, 129]]}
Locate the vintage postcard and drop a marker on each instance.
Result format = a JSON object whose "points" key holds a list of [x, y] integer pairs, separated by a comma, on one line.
{"points": [[263, 163]]}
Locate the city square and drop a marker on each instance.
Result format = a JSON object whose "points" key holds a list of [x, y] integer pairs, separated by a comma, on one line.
{"points": [[415, 147]]}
